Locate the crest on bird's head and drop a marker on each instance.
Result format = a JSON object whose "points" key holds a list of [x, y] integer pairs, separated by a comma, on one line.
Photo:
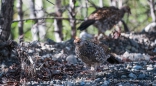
{"points": [[77, 39], [79, 42]]}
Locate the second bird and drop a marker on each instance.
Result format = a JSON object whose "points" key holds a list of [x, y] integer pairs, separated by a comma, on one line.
{"points": [[105, 18]]}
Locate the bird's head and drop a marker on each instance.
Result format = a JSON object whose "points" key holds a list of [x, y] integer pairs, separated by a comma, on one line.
{"points": [[78, 41], [126, 9]]}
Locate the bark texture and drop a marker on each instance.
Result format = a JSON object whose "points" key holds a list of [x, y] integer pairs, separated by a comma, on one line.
{"points": [[6, 19]]}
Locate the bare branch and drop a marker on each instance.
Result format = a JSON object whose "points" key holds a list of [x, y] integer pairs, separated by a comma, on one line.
{"points": [[50, 2], [47, 18], [92, 3]]}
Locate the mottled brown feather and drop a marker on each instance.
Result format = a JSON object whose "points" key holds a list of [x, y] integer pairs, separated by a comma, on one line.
{"points": [[90, 52], [105, 18]]}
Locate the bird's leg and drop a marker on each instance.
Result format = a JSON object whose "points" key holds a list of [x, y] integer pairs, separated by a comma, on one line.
{"points": [[107, 63], [105, 36], [101, 31], [94, 69], [118, 29], [117, 32], [91, 72]]}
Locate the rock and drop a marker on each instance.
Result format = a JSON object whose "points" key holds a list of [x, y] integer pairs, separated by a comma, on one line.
{"points": [[141, 76], [123, 76], [82, 83], [35, 44], [69, 83], [38, 50], [137, 67], [132, 75], [146, 57], [154, 50], [71, 59], [128, 47], [44, 48], [134, 49], [4, 52], [137, 56], [58, 56], [129, 66], [88, 84], [49, 41], [46, 56], [149, 67], [105, 83], [150, 28], [134, 43], [31, 51], [117, 50]]}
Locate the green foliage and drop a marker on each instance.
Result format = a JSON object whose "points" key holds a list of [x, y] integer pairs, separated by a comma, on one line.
{"points": [[14, 30], [27, 27], [139, 18]]}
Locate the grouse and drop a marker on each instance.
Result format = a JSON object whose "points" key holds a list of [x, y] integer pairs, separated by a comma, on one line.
{"points": [[92, 53], [105, 18]]}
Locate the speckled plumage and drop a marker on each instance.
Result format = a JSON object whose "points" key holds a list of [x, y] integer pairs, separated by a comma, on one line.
{"points": [[105, 18], [90, 52]]}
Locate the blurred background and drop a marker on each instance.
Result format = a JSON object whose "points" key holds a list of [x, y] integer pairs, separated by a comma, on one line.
{"points": [[58, 19]]}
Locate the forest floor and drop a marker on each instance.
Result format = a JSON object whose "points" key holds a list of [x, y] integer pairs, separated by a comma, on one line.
{"points": [[55, 64]]}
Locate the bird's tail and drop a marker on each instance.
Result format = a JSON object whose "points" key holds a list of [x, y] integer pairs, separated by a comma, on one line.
{"points": [[113, 59], [86, 24]]}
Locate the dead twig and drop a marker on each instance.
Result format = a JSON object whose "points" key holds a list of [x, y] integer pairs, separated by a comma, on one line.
{"points": [[50, 2], [47, 18]]}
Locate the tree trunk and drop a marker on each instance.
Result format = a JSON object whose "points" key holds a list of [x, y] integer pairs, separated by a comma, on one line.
{"points": [[20, 23], [41, 23], [39, 28], [112, 3], [6, 16], [32, 9], [34, 29], [58, 22], [152, 9], [72, 17], [120, 2], [101, 3]]}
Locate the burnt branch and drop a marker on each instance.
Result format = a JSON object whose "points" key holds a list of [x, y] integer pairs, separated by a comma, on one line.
{"points": [[6, 19]]}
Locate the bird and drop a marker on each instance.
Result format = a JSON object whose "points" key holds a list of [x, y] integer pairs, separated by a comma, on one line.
{"points": [[92, 53], [105, 18]]}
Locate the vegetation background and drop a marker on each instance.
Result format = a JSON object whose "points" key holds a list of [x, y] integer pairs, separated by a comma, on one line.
{"points": [[60, 18]]}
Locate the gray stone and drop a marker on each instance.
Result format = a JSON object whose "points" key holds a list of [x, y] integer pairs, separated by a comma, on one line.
{"points": [[71, 59], [141, 76], [134, 43], [132, 75], [137, 67], [134, 49], [30, 51], [123, 76], [128, 47], [149, 68]]}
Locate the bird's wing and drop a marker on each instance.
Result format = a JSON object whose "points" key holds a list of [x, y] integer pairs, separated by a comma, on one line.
{"points": [[91, 51], [104, 13]]}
